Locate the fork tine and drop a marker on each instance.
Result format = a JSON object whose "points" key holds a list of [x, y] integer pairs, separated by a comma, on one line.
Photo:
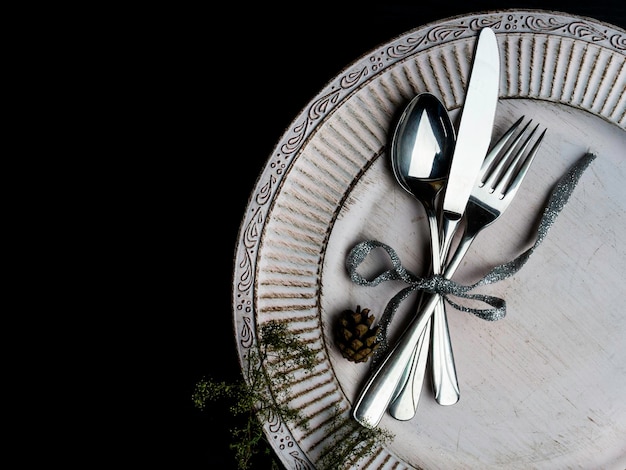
{"points": [[511, 188], [490, 158], [513, 163], [495, 175]]}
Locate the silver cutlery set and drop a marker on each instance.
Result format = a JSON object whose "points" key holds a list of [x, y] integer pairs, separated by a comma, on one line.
{"points": [[475, 185]]}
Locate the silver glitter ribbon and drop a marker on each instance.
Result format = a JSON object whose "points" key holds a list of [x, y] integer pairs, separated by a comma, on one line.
{"points": [[446, 287]]}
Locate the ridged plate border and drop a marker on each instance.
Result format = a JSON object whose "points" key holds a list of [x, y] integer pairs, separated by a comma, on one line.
{"points": [[549, 56]]}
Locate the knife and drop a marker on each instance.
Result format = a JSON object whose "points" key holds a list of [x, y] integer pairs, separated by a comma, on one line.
{"points": [[472, 144]]}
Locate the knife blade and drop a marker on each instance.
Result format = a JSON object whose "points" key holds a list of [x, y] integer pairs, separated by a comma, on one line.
{"points": [[473, 140], [472, 144], [476, 124]]}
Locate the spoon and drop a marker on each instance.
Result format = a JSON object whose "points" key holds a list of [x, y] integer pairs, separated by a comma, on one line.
{"points": [[421, 151]]}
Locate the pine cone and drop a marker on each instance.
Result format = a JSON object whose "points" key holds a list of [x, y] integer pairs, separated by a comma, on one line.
{"points": [[355, 337]]}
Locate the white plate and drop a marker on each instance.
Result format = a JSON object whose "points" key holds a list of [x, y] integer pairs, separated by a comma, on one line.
{"points": [[543, 387]]}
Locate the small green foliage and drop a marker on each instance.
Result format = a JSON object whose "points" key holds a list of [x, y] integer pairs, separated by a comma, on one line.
{"points": [[356, 442], [263, 392], [207, 390], [271, 362]]}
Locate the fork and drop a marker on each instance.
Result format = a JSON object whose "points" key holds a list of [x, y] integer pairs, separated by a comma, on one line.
{"points": [[499, 179], [487, 202]]}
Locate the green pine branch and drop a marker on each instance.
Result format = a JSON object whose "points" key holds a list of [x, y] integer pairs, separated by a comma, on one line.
{"points": [[269, 370]]}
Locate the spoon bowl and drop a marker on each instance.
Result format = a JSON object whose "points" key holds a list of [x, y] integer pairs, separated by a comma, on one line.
{"points": [[421, 149]]}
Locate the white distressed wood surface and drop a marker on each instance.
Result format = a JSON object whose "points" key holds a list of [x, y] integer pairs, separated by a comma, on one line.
{"points": [[543, 388]]}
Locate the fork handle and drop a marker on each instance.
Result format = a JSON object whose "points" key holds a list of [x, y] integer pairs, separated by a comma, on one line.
{"points": [[381, 386]]}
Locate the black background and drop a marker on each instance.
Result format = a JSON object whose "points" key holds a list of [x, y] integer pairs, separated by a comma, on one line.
{"points": [[237, 77]]}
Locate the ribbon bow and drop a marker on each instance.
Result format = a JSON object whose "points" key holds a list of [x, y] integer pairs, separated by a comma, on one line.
{"points": [[446, 287]]}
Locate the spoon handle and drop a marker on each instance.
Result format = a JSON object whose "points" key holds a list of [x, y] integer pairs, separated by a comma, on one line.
{"points": [[404, 404], [445, 383], [381, 387]]}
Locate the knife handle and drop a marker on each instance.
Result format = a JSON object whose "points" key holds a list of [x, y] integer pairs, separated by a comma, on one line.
{"points": [[445, 382]]}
